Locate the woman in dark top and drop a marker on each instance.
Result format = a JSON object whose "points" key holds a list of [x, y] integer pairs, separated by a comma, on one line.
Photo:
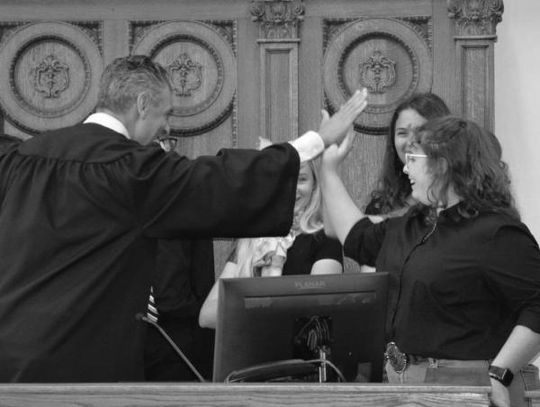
{"points": [[464, 283], [305, 250], [392, 195]]}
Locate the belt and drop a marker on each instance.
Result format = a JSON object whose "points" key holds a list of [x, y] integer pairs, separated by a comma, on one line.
{"points": [[400, 360]]}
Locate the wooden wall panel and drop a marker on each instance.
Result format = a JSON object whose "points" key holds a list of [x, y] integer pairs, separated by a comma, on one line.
{"points": [[279, 91], [281, 62], [473, 61], [49, 73]]}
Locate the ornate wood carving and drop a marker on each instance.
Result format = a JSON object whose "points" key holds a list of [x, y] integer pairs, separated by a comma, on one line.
{"points": [[49, 72], [186, 75], [423, 25], [51, 77], [6, 28], [388, 56], [475, 33], [202, 66], [475, 17], [278, 19], [378, 72], [278, 44]]}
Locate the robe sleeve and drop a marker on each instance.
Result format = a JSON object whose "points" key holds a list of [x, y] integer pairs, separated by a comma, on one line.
{"points": [[184, 276], [238, 193]]}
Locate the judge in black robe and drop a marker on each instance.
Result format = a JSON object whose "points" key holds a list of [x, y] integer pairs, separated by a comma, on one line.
{"points": [[184, 276], [82, 210]]}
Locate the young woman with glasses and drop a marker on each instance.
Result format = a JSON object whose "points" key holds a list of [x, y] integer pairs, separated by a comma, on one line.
{"points": [[464, 283]]}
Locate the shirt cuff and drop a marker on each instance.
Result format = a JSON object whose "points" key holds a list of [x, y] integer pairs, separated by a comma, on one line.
{"points": [[309, 145]]}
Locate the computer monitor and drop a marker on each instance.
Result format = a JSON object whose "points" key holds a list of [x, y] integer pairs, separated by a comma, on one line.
{"points": [[278, 318]]}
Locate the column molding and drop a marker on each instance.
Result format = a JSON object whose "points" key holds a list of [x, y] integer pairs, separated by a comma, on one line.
{"points": [[278, 42], [475, 23]]}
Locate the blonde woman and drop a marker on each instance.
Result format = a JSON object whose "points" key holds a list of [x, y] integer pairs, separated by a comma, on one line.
{"points": [[305, 250]]}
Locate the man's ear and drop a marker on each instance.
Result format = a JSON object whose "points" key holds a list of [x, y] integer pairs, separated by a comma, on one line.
{"points": [[143, 102]]}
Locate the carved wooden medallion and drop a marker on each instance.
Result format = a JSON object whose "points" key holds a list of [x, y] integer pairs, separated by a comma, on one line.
{"points": [[203, 71], [386, 56], [49, 74]]}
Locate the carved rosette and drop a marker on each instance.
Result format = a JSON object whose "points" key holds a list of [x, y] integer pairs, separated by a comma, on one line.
{"points": [[278, 19], [202, 66], [475, 17], [186, 75], [51, 77], [377, 73], [387, 56], [49, 73]]}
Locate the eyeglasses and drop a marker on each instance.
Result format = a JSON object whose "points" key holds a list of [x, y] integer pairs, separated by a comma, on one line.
{"points": [[167, 143], [409, 157]]}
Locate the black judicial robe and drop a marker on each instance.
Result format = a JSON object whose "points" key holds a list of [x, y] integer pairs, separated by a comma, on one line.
{"points": [[184, 276], [81, 211]]}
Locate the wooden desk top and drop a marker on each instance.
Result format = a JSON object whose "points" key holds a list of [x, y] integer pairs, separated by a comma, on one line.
{"points": [[259, 395]]}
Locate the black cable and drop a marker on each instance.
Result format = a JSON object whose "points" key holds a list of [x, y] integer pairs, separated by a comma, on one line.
{"points": [[325, 361], [144, 318], [293, 370]]}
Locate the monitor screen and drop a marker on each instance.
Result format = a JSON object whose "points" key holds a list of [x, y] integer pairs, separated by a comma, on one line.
{"points": [[297, 317]]}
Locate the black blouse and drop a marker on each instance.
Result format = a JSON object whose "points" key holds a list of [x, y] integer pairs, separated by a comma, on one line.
{"points": [[458, 286], [307, 249]]}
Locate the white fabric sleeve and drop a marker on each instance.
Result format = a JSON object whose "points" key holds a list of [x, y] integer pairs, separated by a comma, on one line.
{"points": [[309, 145]]}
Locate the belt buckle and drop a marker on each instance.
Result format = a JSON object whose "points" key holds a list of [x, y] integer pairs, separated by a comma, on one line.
{"points": [[397, 359]]}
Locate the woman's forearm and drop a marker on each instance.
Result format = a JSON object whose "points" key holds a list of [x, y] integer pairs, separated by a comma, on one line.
{"points": [[520, 348], [340, 210], [208, 312]]}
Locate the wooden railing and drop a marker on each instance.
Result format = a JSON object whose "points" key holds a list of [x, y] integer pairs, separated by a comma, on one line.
{"points": [[260, 395], [534, 396]]}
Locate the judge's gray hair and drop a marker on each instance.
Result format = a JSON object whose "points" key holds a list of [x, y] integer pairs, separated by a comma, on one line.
{"points": [[127, 77]]}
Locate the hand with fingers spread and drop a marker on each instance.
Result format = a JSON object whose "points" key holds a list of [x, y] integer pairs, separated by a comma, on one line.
{"points": [[333, 129]]}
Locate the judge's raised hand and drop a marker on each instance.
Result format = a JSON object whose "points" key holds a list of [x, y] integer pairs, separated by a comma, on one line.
{"points": [[334, 155], [334, 129]]}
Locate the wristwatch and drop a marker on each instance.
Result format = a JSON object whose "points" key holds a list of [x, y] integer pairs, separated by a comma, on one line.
{"points": [[501, 374]]}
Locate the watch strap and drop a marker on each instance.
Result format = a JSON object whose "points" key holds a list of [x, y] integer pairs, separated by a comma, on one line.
{"points": [[501, 374]]}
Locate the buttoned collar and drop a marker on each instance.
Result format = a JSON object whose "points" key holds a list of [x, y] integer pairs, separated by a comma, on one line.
{"points": [[453, 213]]}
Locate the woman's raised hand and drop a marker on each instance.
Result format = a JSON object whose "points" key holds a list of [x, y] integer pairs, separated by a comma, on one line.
{"points": [[333, 129], [334, 155]]}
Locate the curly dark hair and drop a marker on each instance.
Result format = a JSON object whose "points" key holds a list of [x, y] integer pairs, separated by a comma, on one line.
{"points": [[393, 187], [463, 156]]}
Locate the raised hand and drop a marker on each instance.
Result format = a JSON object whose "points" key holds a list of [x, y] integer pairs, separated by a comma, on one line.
{"points": [[334, 129], [334, 155]]}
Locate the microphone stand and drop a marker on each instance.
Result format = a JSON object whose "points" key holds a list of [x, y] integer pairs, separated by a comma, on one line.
{"points": [[144, 318]]}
